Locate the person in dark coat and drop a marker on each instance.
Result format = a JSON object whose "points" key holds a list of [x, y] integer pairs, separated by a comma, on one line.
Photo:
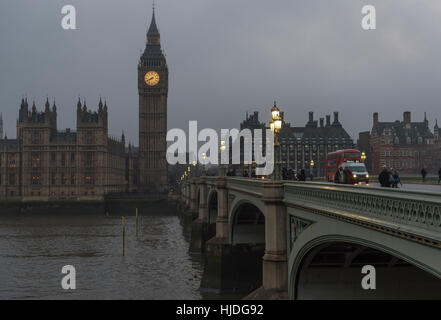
{"points": [[439, 175], [302, 176], [383, 178], [339, 176], [423, 174]]}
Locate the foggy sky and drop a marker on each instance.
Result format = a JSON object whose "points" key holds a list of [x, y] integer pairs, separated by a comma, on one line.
{"points": [[226, 57]]}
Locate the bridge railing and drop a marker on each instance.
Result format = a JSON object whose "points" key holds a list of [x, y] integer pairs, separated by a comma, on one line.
{"points": [[411, 211], [248, 186]]}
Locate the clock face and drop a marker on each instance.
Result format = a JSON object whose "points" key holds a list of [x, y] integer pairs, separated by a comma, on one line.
{"points": [[151, 78]]}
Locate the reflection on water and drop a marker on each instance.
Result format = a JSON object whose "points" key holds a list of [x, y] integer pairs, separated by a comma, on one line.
{"points": [[33, 249]]}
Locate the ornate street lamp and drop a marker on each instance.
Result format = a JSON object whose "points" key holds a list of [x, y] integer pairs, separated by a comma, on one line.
{"points": [[276, 126], [363, 157], [204, 156], [311, 167], [275, 112], [222, 150], [194, 173]]}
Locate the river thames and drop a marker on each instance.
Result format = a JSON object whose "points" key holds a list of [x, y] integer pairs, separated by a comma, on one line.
{"points": [[156, 265]]}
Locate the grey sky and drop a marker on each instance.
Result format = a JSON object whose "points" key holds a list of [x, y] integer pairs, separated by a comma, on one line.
{"points": [[226, 57]]}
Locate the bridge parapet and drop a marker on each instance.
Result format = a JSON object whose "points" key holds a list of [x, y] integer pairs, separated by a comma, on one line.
{"points": [[410, 214], [251, 187]]}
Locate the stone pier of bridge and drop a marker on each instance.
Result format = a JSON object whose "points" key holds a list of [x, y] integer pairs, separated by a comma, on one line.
{"points": [[231, 267]]}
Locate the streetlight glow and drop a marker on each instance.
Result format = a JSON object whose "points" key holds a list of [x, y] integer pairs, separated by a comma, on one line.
{"points": [[275, 112]]}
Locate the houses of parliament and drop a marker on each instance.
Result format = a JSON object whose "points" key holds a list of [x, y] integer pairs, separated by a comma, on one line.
{"points": [[45, 164]]}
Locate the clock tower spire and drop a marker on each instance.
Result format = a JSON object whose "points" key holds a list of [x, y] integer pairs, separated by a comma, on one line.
{"points": [[153, 93]]}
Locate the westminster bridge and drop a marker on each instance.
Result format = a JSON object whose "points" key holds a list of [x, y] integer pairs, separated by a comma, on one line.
{"points": [[310, 240]]}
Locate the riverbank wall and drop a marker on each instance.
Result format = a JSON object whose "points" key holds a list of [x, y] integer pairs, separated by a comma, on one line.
{"points": [[123, 206]]}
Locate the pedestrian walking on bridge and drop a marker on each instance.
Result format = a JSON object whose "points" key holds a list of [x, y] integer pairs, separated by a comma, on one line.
{"points": [[423, 174]]}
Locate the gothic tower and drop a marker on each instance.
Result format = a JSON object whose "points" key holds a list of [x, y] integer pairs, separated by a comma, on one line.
{"points": [[153, 92]]}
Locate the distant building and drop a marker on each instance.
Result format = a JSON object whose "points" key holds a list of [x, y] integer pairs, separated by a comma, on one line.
{"points": [[301, 145], [46, 164], [404, 145]]}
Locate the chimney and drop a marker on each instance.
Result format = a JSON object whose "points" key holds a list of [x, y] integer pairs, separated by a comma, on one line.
{"points": [[311, 116], [406, 117], [321, 122], [375, 118], [328, 120], [336, 117]]}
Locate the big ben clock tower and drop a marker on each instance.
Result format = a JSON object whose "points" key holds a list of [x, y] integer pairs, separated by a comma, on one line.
{"points": [[153, 91]]}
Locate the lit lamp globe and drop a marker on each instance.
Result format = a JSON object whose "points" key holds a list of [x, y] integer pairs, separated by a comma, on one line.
{"points": [[275, 112], [278, 124], [222, 147]]}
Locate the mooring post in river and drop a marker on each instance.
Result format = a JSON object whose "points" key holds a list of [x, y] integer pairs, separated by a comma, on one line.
{"points": [[123, 234], [136, 222]]}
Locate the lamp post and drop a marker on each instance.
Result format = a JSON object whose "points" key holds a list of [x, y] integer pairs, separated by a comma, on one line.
{"points": [[311, 168], [276, 126], [194, 168], [363, 157], [222, 150], [204, 156]]}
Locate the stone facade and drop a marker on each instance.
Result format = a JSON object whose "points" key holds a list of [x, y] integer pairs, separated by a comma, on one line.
{"points": [[153, 113], [404, 145], [46, 164]]}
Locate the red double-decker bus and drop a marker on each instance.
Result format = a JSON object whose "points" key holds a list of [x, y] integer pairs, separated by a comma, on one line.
{"points": [[351, 163]]}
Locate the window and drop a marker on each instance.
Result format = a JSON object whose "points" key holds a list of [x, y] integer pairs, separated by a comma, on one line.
{"points": [[88, 179], [63, 159], [35, 160], [35, 179], [36, 137], [72, 178], [89, 159], [12, 179], [53, 179], [89, 138]]}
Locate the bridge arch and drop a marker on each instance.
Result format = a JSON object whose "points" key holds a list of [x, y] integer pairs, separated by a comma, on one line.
{"points": [[333, 257], [246, 222], [212, 206]]}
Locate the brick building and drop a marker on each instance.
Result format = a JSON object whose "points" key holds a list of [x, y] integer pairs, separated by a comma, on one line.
{"points": [[404, 145]]}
